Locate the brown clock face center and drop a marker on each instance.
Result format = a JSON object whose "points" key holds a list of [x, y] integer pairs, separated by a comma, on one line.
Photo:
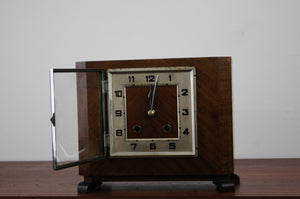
{"points": [[161, 123]]}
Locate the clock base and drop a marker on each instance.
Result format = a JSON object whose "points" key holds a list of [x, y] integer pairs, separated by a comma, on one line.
{"points": [[223, 183]]}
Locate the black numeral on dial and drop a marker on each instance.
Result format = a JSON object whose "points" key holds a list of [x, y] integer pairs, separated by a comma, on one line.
{"points": [[119, 132], [118, 113], [172, 145], [185, 111], [118, 93], [152, 146], [131, 78], [186, 131], [150, 78], [133, 146], [184, 92]]}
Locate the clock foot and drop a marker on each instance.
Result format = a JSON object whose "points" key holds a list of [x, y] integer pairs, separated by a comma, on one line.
{"points": [[90, 184], [235, 178], [227, 185]]}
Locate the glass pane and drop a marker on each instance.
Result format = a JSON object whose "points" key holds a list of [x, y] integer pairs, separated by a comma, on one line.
{"points": [[74, 141]]}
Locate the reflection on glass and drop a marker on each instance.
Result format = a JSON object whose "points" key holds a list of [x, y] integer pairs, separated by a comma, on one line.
{"points": [[76, 100], [66, 120]]}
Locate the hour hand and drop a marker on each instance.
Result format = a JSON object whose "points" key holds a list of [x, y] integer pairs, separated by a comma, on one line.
{"points": [[150, 97], [154, 93]]}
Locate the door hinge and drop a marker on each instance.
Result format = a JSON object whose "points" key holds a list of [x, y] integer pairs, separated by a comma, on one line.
{"points": [[104, 86], [106, 137]]}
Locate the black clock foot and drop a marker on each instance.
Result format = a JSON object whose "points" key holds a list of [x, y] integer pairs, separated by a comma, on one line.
{"points": [[89, 185], [235, 178], [227, 185]]}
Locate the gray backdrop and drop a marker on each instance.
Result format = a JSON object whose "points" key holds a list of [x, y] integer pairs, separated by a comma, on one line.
{"points": [[263, 38]]}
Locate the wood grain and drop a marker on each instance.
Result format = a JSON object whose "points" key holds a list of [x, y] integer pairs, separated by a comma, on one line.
{"points": [[214, 123], [166, 112], [260, 178]]}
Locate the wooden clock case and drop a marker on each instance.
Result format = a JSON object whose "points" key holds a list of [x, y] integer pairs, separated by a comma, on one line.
{"points": [[214, 125]]}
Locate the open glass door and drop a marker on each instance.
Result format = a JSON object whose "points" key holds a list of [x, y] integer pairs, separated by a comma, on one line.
{"points": [[78, 120]]}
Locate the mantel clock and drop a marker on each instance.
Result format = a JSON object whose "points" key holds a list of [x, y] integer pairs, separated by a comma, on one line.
{"points": [[136, 120]]}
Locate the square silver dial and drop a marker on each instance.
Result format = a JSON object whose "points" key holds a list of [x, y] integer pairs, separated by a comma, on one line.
{"points": [[152, 112]]}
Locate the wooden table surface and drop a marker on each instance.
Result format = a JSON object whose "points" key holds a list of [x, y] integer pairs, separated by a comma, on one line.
{"points": [[259, 177]]}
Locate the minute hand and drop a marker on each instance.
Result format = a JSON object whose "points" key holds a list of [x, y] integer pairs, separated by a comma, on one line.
{"points": [[154, 93]]}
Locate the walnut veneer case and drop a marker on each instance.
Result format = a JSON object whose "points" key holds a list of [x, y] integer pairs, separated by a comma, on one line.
{"points": [[138, 120]]}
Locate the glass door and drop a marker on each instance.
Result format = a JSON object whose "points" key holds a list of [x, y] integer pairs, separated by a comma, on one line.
{"points": [[78, 120]]}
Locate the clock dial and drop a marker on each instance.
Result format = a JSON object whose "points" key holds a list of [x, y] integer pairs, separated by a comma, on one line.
{"points": [[142, 125], [152, 112]]}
